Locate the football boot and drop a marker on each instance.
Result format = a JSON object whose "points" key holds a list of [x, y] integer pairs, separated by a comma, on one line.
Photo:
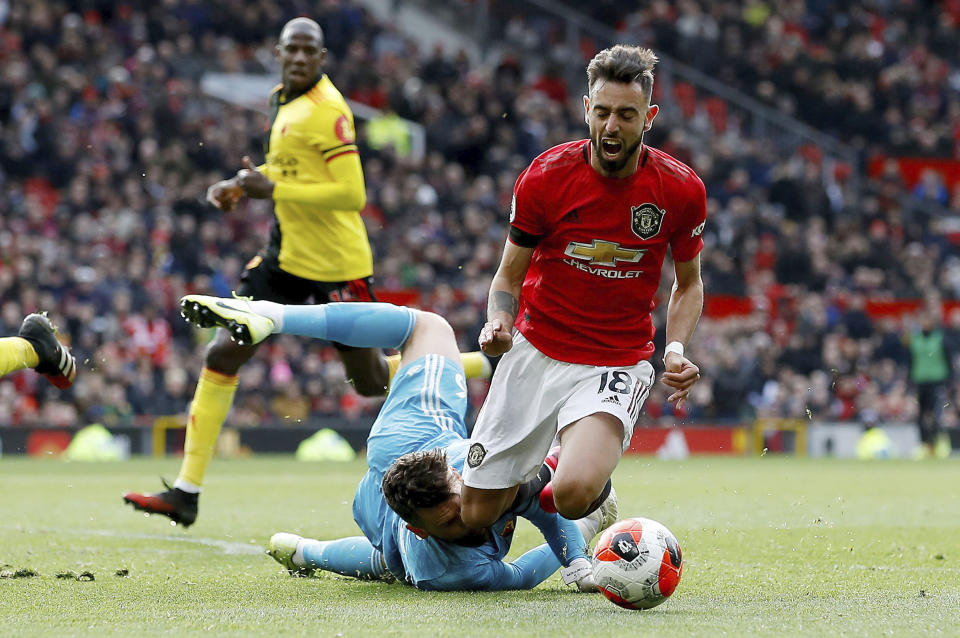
{"points": [[55, 361]]}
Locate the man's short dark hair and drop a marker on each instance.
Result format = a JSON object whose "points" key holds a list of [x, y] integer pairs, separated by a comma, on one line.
{"points": [[623, 63], [303, 26], [417, 480]]}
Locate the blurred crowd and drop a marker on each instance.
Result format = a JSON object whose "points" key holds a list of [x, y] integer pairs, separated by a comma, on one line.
{"points": [[883, 75], [108, 144]]}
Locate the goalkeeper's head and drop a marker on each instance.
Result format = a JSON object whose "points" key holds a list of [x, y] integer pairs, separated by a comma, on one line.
{"points": [[424, 491]]}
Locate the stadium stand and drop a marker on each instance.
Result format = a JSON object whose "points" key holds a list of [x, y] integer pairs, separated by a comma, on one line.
{"points": [[815, 268]]}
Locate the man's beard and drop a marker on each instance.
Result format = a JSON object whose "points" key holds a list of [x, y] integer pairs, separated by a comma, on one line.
{"points": [[614, 166]]}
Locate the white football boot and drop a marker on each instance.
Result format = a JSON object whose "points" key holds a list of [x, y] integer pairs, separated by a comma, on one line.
{"points": [[245, 326], [283, 545]]}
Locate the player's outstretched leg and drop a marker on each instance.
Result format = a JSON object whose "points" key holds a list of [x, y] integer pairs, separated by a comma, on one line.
{"points": [[37, 347], [282, 547], [245, 325], [353, 556], [359, 324], [178, 505]]}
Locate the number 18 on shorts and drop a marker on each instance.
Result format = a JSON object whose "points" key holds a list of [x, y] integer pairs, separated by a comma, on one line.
{"points": [[532, 397]]}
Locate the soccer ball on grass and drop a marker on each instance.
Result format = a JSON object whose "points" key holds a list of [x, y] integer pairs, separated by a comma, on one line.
{"points": [[637, 563]]}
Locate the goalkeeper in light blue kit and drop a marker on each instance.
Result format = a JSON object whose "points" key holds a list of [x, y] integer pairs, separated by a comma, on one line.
{"points": [[408, 503]]}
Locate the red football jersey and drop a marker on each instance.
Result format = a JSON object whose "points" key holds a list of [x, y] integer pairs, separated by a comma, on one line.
{"points": [[589, 290]]}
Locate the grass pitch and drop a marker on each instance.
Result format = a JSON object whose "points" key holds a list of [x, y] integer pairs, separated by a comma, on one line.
{"points": [[772, 546]]}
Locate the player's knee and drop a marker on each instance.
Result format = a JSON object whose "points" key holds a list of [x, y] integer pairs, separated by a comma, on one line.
{"points": [[372, 385], [433, 323], [225, 357], [369, 374], [573, 499]]}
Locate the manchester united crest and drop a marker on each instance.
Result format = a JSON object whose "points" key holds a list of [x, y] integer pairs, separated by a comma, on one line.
{"points": [[475, 455], [645, 220]]}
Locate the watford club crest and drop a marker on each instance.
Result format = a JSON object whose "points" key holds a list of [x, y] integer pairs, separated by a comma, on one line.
{"points": [[645, 220]]}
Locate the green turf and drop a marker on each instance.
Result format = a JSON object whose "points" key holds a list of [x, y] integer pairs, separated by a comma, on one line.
{"points": [[772, 546]]}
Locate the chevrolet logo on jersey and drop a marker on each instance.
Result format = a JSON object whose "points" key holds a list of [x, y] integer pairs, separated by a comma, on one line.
{"points": [[603, 253]]}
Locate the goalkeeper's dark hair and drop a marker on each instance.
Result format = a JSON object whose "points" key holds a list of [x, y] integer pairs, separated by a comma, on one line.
{"points": [[417, 480], [623, 63]]}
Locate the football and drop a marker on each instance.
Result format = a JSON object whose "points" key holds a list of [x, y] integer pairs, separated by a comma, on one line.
{"points": [[637, 563]]}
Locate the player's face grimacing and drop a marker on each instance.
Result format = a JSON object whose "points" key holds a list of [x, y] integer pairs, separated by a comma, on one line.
{"points": [[443, 521], [617, 114], [301, 54]]}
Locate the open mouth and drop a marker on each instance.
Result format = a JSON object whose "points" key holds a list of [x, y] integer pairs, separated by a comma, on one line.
{"points": [[610, 147]]}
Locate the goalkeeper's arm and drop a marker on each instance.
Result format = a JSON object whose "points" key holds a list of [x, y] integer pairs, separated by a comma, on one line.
{"points": [[528, 571], [562, 535]]}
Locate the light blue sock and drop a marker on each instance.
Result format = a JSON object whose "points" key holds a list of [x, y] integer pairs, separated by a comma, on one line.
{"points": [[358, 324], [353, 556]]}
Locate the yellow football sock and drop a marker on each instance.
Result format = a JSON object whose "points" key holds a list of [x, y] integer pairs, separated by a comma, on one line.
{"points": [[211, 403], [393, 364], [16, 353], [475, 365]]}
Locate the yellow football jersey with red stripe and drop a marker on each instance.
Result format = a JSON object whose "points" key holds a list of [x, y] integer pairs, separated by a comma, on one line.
{"points": [[307, 133]]}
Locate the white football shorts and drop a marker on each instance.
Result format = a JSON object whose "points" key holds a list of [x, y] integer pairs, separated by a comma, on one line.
{"points": [[532, 398]]}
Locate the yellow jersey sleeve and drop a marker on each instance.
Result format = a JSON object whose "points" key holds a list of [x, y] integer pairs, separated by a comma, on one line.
{"points": [[330, 132]]}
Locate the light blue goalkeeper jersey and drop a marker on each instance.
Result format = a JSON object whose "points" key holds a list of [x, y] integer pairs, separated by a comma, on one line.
{"points": [[423, 411]]}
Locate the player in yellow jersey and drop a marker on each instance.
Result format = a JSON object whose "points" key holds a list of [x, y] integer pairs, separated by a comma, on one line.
{"points": [[318, 249]]}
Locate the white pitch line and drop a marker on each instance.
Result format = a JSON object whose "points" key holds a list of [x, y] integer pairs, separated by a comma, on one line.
{"points": [[227, 547]]}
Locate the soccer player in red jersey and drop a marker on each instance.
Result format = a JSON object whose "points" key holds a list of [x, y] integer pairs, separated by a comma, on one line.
{"points": [[590, 225]]}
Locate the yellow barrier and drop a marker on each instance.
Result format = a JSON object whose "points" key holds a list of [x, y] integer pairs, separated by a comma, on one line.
{"points": [[797, 426], [228, 443], [160, 426]]}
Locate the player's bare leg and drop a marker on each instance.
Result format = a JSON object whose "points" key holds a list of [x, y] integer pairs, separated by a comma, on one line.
{"points": [[482, 508], [431, 335], [367, 370], [226, 356], [590, 451]]}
